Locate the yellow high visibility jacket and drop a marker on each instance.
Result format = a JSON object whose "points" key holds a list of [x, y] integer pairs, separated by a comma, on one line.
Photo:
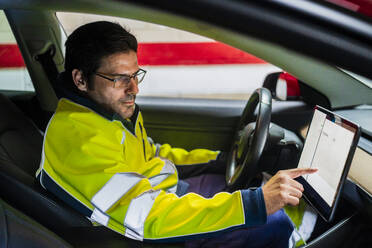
{"points": [[112, 175]]}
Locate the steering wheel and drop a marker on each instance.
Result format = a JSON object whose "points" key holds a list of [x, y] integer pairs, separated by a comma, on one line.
{"points": [[249, 141]]}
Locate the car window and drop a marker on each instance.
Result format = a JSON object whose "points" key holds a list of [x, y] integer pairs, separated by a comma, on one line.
{"points": [[13, 72], [182, 64]]}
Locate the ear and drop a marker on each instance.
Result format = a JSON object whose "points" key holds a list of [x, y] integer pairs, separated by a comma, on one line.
{"points": [[77, 77]]}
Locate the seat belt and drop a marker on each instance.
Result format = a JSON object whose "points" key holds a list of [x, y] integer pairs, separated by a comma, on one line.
{"points": [[47, 62], [50, 68], [51, 71]]}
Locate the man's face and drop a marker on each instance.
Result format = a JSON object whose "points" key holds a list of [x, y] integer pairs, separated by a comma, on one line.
{"points": [[116, 99]]}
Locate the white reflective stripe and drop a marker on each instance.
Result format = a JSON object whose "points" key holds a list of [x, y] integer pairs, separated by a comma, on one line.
{"points": [[172, 189], [305, 229], [132, 235], [294, 238], [150, 140], [157, 151], [118, 185], [157, 179], [99, 217], [167, 170], [137, 213], [308, 223], [123, 139]]}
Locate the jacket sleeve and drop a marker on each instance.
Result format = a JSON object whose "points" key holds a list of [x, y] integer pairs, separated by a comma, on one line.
{"points": [[157, 215], [191, 163], [146, 208], [174, 218], [181, 157]]}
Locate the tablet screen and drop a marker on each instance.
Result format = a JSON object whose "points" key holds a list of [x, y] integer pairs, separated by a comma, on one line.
{"points": [[329, 146]]}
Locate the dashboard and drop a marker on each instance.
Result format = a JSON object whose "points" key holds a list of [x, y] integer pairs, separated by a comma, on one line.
{"points": [[361, 170]]}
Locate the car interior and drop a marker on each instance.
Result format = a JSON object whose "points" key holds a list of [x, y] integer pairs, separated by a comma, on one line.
{"points": [[32, 217]]}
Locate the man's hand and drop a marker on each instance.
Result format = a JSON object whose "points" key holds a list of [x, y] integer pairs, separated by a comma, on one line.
{"points": [[282, 190]]}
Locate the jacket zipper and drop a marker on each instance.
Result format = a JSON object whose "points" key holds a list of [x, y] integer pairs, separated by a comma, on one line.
{"points": [[143, 141]]}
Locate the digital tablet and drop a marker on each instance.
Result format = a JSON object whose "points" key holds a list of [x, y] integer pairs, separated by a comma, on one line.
{"points": [[329, 146]]}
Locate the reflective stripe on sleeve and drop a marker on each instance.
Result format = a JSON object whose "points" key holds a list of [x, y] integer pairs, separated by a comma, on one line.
{"points": [[172, 189], [157, 151], [114, 189], [137, 213], [305, 229], [123, 139], [99, 217], [167, 170], [157, 179]]}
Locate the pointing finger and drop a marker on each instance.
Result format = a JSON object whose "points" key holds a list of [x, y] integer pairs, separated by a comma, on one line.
{"points": [[293, 173]]}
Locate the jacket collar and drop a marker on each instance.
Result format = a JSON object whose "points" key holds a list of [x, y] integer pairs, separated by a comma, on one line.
{"points": [[89, 103]]}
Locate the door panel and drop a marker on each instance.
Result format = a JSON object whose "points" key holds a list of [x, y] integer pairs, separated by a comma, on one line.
{"points": [[206, 123], [191, 123]]}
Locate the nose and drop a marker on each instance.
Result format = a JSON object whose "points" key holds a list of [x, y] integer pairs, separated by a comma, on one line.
{"points": [[132, 87]]}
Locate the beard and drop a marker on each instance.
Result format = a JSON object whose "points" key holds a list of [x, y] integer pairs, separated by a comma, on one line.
{"points": [[124, 109], [128, 98], [123, 106]]}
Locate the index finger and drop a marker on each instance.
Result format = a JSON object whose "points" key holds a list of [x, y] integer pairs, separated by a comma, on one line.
{"points": [[293, 173]]}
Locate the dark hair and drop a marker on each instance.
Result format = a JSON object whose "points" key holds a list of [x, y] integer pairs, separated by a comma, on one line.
{"points": [[89, 44]]}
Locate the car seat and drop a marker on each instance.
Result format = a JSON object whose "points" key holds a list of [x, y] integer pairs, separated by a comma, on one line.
{"points": [[18, 230], [20, 152]]}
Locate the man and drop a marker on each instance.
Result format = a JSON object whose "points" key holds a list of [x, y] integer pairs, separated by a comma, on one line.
{"points": [[97, 157]]}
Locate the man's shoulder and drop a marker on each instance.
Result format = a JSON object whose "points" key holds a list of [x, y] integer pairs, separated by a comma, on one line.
{"points": [[68, 113], [71, 116], [67, 108], [67, 105]]}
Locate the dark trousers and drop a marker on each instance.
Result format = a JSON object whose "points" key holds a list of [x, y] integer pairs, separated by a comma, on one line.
{"points": [[275, 233]]}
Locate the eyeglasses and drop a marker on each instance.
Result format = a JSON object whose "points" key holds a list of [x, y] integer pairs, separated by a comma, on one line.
{"points": [[123, 80]]}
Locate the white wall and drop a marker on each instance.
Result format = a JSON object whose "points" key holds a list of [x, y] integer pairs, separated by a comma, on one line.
{"points": [[12, 78], [226, 81], [234, 80]]}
